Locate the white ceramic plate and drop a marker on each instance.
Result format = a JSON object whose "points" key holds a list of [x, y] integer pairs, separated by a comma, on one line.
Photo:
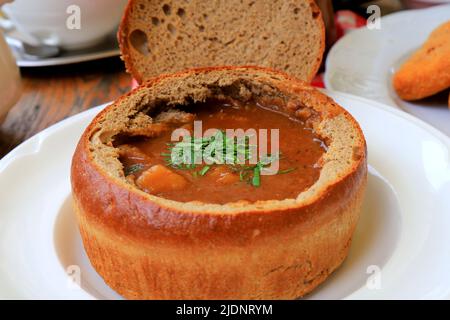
{"points": [[106, 49], [403, 232], [363, 62]]}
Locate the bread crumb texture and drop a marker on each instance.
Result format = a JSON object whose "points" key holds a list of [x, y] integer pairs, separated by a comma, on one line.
{"points": [[162, 36]]}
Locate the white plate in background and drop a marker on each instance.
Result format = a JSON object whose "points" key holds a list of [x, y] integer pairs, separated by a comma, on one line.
{"points": [[403, 231], [363, 62], [105, 49]]}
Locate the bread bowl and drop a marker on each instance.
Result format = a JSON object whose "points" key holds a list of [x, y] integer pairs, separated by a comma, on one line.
{"points": [[149, 247]]}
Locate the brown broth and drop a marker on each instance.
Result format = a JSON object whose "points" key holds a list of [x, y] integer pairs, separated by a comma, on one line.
{"points": [[300, 147]]}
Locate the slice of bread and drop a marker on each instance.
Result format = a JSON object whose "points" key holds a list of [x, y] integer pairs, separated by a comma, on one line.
{"points": [[427, 72], [163, 36]]}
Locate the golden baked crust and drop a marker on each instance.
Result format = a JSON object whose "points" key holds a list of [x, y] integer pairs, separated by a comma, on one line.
{"points": [[427, 71], [146, 247], [157, 36]]}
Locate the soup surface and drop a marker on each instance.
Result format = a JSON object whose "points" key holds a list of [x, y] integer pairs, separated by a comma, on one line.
{"points": [[150, 164]]}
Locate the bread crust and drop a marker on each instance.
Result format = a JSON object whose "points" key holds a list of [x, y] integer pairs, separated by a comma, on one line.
{"points": [[128, 57], [144, 249]]}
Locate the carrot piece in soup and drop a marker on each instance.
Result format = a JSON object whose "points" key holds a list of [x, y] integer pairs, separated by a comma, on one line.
{"points": [[158, 179]]}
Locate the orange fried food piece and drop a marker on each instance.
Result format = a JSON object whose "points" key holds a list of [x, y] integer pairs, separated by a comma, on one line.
{"points": [[428, 70]]}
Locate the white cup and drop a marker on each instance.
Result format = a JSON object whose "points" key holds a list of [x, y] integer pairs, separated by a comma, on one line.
{"points": [[70, 24], [9, 79]]}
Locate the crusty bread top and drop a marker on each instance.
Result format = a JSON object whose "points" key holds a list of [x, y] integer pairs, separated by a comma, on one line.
{"points": [[160, 36], [139, 109]]}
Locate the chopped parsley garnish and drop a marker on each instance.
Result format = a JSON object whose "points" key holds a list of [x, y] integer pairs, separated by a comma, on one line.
{"points": [[133, 168], [219, 149]]}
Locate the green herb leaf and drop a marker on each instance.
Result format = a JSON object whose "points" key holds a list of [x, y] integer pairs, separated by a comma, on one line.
{"points": [[269, 159], [286, 170], [256, 180], [243, 174], [204, 170], [133, 169]]}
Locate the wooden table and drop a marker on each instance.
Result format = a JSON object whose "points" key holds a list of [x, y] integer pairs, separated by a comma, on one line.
{"points": [[51, 94]]}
